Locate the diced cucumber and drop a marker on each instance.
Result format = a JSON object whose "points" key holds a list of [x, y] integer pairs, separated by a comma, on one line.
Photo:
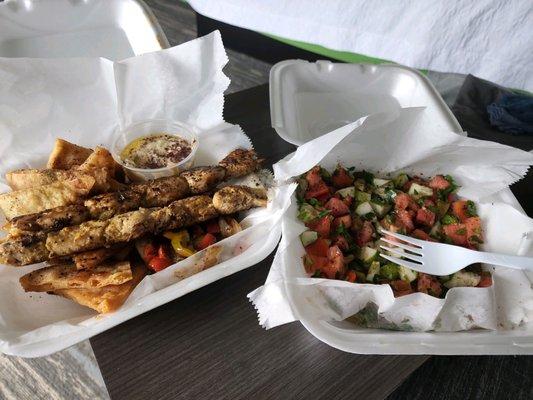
{"points": [[418, 191], [307, 212], [361, 197], [368, 254], [390, 194], [463, 278], [380, 182], [347, 191], [359, 184], [390, 271], [308, 237], [373, 270], [380, 209], [407, 274], [401, 180], [364, 208]]}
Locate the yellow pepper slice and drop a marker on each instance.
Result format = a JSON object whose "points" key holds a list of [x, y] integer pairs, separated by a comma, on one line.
{"points": [[179, 241]]}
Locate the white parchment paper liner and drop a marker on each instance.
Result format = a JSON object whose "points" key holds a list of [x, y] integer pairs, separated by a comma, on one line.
{"points": [[84, 101], [389, 144]]}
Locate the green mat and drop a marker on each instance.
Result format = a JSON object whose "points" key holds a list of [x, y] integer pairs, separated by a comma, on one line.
{"points": [[324, 51]]}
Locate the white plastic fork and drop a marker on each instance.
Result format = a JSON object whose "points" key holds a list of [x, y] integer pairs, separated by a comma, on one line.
{"points": [[443, 259]]}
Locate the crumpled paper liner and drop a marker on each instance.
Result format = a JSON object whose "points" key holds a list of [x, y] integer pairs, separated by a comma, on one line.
{"points": [[392, 143], [84, 101]]}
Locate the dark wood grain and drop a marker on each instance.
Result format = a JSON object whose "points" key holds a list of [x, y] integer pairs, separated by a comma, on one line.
{"points": [[461, 377], [209, 345]]}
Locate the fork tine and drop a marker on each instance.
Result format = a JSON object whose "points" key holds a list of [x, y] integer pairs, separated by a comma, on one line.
{"points": [[407, 239], [416, 250], [411, 257], [408, 264]]}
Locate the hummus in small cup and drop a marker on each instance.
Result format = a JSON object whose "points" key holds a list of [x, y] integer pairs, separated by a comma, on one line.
{"points": [[155, 148]]}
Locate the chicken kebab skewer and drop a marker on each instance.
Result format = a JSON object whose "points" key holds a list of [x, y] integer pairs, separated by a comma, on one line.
{"points": [[123, 228], [156, 193]]}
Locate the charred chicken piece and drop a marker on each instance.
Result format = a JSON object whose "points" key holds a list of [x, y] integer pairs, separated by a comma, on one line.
{"points": [[240, 162], [232, 199], [203, 179], [136, 224]]}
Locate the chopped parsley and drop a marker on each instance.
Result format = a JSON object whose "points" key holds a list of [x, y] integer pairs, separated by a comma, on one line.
{"points": [[449, 220], [471, 209]]}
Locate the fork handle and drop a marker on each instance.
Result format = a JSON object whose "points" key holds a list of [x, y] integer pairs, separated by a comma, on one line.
{"points": [[504, 260]]}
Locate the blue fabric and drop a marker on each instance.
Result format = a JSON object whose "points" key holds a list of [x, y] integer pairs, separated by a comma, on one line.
{"points": [[512, 113]]}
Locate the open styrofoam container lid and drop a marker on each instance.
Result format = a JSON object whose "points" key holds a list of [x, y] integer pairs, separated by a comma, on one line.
{"points": [[309, 99]]}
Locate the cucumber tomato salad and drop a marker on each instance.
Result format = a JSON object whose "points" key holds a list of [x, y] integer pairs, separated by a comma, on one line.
{"points": [[343, 211]]}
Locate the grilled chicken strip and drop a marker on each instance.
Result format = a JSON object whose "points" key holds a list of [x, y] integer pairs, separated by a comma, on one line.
{"points": [[236, 198], [240, 162], [49, 220], [156, 193], [203, 179], [135, 224]]}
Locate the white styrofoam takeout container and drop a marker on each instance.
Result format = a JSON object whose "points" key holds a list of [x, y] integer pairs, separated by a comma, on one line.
{"points": [[310, 99], [113, 29]]}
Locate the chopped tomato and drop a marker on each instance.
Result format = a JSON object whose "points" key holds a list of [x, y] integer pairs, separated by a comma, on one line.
{"points": [[486, 280], [205, 241], [337, 207], [401, 201], [364, 235], [318, 248], [420, 234], [428, 284], [159, 263], [341, 242], [405, 219], [429, 203], [345, 220], [351, 276], [313, 177], [213, 227], [335, 263], [474, 233], [401, 288], [150, 251], [321, 226], [425, 217], [400, 285], [341, 178], [324, 198], [457, 233], [317, 191], [459, 210], [439, 182], [313, 263]]}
